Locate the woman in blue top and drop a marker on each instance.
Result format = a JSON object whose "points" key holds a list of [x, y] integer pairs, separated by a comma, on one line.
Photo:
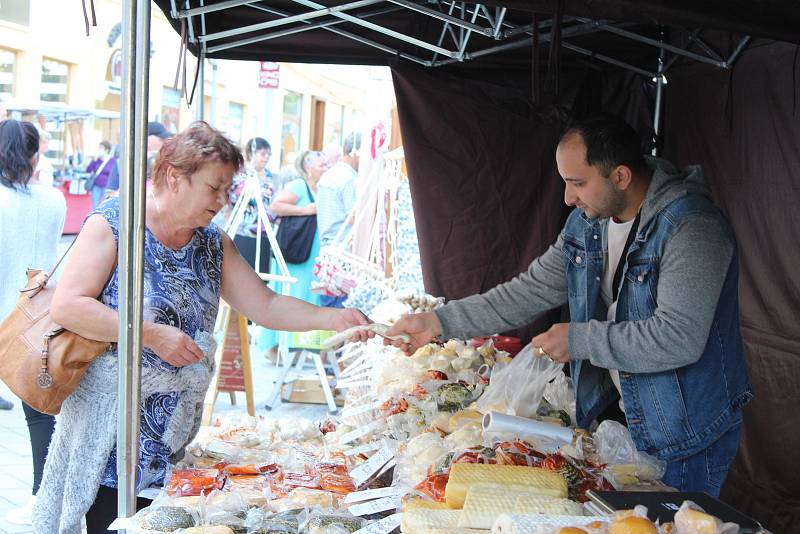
{"points": [[297, 198], [189, 265]]}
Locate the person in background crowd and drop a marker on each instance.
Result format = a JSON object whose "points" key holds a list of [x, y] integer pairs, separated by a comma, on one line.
{"points": [[287, 173], [333, 154], [101, 168], [336, 196], [156, 134], [113, 177], [43, 174], [31, 220], [189, 265], [296, 200], [649, 267], [257, 152]]}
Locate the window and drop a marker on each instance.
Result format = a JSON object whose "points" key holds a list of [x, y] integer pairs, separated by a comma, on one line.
{"points": [[334, 117], [235, 119], [16, 11], [170, 108], [55, 81], [8, 61], [290, 130]]}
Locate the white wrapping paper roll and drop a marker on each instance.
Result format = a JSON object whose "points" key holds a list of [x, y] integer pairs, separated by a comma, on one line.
{"points": [[538, 524], [523, 427]]}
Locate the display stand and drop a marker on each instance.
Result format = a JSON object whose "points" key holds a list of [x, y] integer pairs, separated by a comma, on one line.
{"points": [[230, 330]]}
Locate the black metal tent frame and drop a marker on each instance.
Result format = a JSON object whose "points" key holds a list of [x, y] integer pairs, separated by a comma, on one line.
{"points": [[459, 33]]}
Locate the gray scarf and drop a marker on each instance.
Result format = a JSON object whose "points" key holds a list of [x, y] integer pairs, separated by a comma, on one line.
{"points": [[86, 431]]}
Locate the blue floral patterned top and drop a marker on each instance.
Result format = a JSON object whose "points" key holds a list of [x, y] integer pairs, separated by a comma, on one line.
{"points": [[181, 289]]}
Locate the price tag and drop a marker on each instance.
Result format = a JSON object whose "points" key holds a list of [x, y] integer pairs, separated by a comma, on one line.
{"points": [[384, 526], [373, 507], [355, 378], [363, 472], [352, 412], [348, 385], [377, 493], [367, 447], [376, 425]]}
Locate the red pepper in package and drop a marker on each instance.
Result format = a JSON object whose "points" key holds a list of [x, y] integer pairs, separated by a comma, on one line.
{"points": [[190, 482], [433, 486], [394, 406], [335, 478], [517, 452], [250, 469], [435, 374]]}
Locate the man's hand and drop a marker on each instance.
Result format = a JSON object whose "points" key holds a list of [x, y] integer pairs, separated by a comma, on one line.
{"points": [[553, 344], [349, 317], [172, 345], [421, 327]]}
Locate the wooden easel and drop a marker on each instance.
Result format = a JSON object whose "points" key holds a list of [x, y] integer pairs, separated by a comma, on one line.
{"points": [[234, 371]]}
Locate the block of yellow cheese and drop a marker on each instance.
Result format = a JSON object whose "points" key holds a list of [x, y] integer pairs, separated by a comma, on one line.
{"points": [[413, 504], [462, 476], [419, 519], [486, 502]]}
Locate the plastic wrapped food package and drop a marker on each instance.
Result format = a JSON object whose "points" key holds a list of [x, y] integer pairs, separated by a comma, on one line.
{"points": [[517, 388], [691, 519], [183, 482], [165, 518], [616, 448], [330, 522]]}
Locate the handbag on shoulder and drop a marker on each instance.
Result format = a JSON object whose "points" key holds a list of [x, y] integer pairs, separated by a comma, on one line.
{"points": [[295, 235], [40, 361]]}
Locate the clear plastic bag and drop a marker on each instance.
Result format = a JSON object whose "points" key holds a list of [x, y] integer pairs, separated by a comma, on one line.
{"points": [[616, 448], [691, 519], [517, 388]]}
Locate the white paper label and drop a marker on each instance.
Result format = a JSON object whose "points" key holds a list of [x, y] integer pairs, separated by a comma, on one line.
{"points": [[363, 472], [348, 385], [377, 424], [384, 526], [367, 447], [373, 507], [362, 377], [358, 410], [377, 493]]}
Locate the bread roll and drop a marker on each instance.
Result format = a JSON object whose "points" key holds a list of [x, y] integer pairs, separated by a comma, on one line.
{"points": [[570, 530], [632, 525], [695, 522]]}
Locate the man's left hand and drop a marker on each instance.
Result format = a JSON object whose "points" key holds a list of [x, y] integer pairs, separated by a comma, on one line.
{"points": [[553, 344]]}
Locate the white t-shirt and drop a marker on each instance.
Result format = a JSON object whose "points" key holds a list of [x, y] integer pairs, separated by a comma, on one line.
{"points": [[31, 222], [616, 236]]}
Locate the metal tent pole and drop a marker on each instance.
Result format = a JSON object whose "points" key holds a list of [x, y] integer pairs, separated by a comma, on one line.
{"points": [[136, 61], [661, 80]]}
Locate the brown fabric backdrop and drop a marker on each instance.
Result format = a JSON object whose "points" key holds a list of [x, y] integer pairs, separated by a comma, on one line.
{"points": [[488, 199], [742, 128]]}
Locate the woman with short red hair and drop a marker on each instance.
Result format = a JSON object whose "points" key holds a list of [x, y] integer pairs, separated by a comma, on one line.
{"points": [[189, 264]]}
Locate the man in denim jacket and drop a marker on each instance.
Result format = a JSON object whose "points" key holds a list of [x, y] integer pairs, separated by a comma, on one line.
{"points": [[649, 268]]}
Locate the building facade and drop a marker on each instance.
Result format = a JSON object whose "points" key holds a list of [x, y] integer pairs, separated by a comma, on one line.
{"points": [[47, 63]]}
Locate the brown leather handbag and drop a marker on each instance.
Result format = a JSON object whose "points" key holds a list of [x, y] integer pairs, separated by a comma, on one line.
{"points": [[40, 361]]}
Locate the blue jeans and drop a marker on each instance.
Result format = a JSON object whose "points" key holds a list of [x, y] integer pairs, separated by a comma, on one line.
{"points": [[98, 193], [332, 302], [706, 470]]}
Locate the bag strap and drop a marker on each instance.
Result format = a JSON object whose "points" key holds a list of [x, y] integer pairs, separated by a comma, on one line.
{"points": [[36, 289], [309, 191]]}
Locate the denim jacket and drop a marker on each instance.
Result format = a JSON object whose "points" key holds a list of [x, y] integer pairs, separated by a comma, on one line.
{"points": [[676, 339], [672, 413]]}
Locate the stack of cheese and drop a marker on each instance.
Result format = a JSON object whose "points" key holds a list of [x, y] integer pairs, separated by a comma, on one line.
{"points": [[477, 494]]}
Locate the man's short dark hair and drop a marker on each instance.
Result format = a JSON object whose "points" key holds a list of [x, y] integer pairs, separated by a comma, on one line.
{"points": [[610, 142]]}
